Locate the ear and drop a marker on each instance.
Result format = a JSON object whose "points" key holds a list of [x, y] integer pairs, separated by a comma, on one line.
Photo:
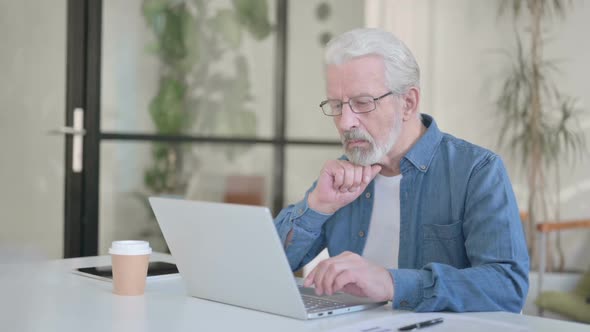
{"points": [[410, 101]]}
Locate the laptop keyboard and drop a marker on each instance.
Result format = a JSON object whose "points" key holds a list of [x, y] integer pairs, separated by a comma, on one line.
{"points": [[313, 303]]}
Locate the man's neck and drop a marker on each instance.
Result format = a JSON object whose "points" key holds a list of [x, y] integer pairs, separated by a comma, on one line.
{"points": [[414, 129]]}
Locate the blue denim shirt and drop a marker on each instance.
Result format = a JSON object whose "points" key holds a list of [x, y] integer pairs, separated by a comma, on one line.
{"points": [[461, 244]]}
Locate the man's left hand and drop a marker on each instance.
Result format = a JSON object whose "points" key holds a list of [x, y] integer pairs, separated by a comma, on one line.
{"points": [[352, 274]]}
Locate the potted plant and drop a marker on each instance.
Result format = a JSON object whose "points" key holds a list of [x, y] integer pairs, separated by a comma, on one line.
{"points": [[539, 121]]}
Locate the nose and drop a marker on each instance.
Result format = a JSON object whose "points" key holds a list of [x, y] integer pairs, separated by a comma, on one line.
{"points": [[348, 119]]}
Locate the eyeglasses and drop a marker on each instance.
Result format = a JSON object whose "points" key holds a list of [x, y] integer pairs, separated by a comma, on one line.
{"points": [[360, 104]]}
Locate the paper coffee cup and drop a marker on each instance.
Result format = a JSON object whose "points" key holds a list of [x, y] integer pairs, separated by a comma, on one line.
{"points": [[130, 263]]}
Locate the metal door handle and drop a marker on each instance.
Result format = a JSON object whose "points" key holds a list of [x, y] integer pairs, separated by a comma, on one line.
{"points": [[67, 131], [78, 132]]}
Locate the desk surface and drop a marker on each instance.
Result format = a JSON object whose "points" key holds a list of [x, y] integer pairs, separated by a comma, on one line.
{"points": [[45, 296]]}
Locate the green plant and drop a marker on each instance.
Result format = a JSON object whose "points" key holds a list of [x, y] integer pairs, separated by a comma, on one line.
{"points": [[196, 43], [539, 120], [189, 41]]}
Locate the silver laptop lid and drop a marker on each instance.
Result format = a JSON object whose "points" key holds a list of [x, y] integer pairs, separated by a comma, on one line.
{"points": [[229, 253]]}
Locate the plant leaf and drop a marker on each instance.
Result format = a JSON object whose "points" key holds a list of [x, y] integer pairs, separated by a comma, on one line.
{"points": [[226, 22], [253, 14]]}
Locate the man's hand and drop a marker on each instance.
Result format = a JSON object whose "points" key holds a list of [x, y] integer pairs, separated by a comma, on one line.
{"points": [[340, 183], [352, 274]]}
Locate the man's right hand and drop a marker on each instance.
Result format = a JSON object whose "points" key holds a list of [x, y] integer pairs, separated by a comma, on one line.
{"points": [[340, 183]]}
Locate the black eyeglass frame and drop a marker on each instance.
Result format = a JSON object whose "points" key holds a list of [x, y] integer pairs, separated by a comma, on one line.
{"points": [[375, 99]]}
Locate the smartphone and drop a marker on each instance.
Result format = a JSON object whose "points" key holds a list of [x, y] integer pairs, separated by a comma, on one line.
{"points": [[156, 270]]}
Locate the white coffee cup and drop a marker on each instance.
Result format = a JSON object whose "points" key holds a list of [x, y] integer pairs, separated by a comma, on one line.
{"points": [[130, 263]]}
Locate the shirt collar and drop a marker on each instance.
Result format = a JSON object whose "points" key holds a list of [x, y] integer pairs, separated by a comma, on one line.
{"points": [[422, 153]]}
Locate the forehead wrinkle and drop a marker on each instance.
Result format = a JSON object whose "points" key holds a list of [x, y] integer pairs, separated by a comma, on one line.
{"points": [[360, 76]]}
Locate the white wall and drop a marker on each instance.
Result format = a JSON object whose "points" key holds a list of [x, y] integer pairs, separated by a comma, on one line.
{"points": [[462, 71], [32, 101]]}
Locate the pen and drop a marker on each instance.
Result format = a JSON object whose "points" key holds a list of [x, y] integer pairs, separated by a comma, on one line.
{"points": [[421, 324]]}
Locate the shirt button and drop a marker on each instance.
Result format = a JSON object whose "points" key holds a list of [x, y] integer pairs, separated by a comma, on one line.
{"points": [[423, 167], [361, 234], [300, 211], [368, 195]]}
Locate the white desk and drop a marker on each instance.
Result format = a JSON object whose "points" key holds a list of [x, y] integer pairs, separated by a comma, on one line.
{"points": [[45, 296]]}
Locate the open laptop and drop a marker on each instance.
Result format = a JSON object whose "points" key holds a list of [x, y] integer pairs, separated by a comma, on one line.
{"points": [[232, 254]]}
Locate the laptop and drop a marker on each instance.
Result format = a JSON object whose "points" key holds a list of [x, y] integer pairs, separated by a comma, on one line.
{"points": [[232, 254]]}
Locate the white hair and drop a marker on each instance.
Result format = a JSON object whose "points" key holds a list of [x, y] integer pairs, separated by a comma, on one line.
{"points": [[401, 69]]}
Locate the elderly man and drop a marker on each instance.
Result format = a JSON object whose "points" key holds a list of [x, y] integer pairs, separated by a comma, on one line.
{"points": [[409, 214]]}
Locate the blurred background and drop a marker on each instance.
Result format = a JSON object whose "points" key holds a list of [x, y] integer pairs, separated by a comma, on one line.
{"points": [[218, 100]]}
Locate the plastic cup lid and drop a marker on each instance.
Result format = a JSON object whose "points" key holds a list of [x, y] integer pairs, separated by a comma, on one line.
{"points": [[130, 248]]}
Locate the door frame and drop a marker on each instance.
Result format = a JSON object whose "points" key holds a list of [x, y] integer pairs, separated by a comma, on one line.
{"points": [[84, 18]]}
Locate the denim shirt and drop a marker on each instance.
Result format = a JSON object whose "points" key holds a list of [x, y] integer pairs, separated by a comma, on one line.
{"points": [[461, 243]]}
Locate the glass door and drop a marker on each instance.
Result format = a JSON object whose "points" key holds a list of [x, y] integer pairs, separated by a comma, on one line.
{"points": [[187, 101]]}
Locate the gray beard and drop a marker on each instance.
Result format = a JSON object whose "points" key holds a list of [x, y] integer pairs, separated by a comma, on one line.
{"points": [[363, 157], [375, 153]]}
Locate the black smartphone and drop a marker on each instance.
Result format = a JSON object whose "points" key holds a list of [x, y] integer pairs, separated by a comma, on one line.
{"points": [[155, 269]]}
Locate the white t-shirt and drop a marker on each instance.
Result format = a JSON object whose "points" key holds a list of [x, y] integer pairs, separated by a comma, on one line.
{"points": [[382, 246]]}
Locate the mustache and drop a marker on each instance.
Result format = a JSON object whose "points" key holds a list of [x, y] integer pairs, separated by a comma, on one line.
{"points": [[355, 135]]}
